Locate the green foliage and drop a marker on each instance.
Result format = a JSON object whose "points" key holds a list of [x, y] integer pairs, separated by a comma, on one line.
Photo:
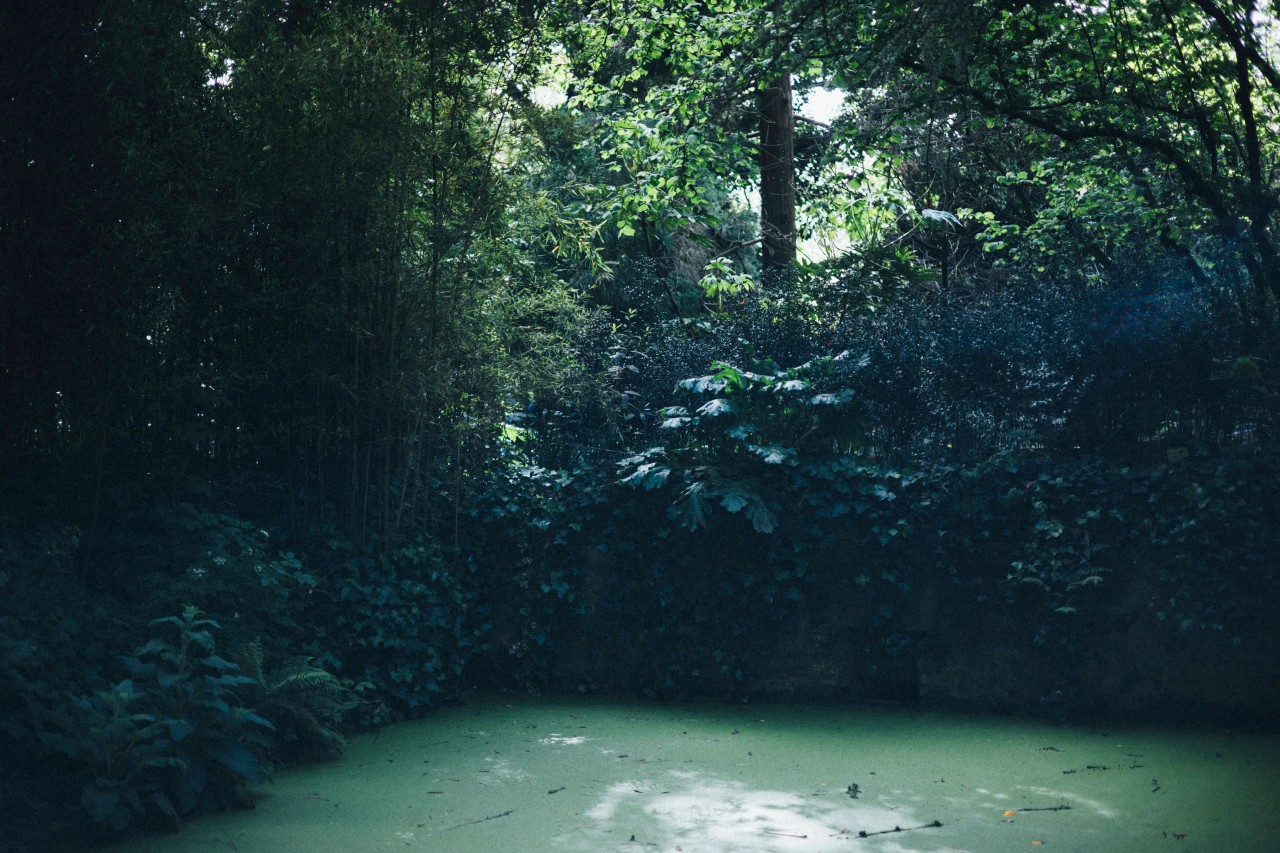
{"points": [[177, 733], [667, 83], [1083, 206], [230, 571], [170, 738], [724, 447], [865, 278], [394, 622], [1086, 131], [306, 703], [1047, 454], [313, 199]]}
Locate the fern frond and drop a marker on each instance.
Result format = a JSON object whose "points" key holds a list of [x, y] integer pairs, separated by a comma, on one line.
{"points": [[251, 657], [306, 679]]}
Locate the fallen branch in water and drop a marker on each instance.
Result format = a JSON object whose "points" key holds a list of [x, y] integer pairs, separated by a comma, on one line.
{"points": [[481, 820], [934, 825]]}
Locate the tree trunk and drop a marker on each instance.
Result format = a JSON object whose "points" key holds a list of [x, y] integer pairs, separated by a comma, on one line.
{"points": [[777, 176]]}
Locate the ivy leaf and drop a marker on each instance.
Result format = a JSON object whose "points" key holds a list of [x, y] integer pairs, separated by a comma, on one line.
{"points": [[258, 720], [656, 478], [702, 384], [762, 519], [772, 455], [155, 644], [695, 515], [735, 499], [837, 399], [716, 407]]}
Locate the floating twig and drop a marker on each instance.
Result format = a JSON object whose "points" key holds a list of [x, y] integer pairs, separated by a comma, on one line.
{"points": [[1102, 767], [480, 820], [934, 825]]}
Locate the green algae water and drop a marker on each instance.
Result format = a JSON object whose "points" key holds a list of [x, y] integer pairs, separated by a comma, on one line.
{"points": [[582, 775]]}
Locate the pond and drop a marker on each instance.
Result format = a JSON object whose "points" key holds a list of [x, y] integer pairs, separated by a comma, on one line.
{"points": [[504, 774]]}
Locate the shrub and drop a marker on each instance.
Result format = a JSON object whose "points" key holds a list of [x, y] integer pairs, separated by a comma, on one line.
{"points": [[394, 621], [169, 739]]}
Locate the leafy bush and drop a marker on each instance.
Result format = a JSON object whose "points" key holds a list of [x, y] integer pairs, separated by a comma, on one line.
{"points": [[724, 447], [172, 737], [395, 622], [1119, 369], [225, 565], [306, 703]]}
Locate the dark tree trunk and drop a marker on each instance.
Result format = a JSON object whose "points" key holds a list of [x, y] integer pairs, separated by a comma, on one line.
{"points": [[777, 176]]}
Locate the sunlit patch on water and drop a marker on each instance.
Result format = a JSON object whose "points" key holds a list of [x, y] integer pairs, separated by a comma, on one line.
{"points": [[502, 768], [704, 813], [562, 740], [1076, 801]]}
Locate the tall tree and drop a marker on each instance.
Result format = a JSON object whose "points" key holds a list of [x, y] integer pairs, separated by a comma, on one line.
{"points": [[697, 99], [777, 175]]}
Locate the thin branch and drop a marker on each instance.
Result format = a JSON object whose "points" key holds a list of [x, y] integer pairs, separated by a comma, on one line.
{"points": [[1195, 182], [1245, 42], [813, 121], [736, 246]]}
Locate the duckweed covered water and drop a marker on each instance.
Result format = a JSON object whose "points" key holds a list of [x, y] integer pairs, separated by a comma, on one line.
{"points": [[582, 775]]}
